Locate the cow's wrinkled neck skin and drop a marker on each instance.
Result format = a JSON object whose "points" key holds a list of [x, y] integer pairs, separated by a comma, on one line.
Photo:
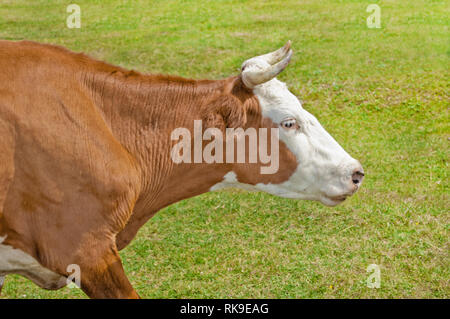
{"points": [[142, 111]]}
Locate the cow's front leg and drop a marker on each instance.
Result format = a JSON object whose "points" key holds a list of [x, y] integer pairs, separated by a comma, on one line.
{"points": [[103, 276], [136, 221], [124, 237]]}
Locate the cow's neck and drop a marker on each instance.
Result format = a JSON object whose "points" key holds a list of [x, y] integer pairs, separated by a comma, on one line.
{"points": [[142, 111]]}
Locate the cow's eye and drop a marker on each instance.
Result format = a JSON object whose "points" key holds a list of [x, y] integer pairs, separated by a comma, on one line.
{"points": [[289, 124]]}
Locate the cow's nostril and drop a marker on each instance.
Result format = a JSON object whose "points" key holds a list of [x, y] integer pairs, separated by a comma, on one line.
{"points": [[357, 177]]}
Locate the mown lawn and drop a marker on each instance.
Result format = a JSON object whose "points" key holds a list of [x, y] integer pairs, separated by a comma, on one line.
{"points": [[382, 93]]}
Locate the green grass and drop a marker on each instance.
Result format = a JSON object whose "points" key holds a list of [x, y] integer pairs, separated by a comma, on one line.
{"points": [[382, 93]]}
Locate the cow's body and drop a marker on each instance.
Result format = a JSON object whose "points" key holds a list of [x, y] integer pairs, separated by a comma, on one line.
{"points": [[85, 159]]}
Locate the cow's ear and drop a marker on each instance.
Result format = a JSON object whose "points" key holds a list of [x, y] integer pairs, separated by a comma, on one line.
{"points": [[225, 111]]}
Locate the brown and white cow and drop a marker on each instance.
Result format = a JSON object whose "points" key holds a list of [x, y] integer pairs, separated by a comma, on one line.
{"points": [[85, 156]]}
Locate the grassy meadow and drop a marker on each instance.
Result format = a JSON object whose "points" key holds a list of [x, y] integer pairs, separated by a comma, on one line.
{"points": [[383, 93]]}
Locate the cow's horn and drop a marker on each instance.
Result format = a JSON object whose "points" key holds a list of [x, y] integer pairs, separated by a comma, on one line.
{"points": [[278, 55], [253, 76]]}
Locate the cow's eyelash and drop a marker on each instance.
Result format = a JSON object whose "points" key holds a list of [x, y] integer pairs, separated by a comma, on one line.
{"points": [[289, 124]]}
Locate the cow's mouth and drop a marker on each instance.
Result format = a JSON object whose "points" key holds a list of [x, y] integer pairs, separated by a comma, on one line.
{"points": [[334, 200], [340, 198]]}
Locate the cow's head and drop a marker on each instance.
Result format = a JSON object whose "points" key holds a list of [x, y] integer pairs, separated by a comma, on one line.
{"points": [[313, 165]]}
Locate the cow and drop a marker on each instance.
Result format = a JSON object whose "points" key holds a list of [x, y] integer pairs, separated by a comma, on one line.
{"points": [[86, 156]]}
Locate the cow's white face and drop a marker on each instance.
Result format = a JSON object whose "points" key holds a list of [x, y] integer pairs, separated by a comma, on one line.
{"points": [[325, 172]]}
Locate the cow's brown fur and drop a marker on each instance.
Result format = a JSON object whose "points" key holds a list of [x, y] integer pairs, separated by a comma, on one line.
{"points": [[85, 155]]}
